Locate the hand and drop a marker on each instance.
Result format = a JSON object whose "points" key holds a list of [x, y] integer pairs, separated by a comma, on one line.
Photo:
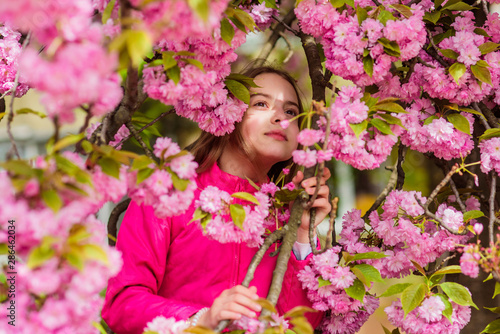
{"points": [[231, 305], [321, 204]]}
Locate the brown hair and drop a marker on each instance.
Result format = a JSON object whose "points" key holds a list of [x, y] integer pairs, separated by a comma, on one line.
{"points": [[208, 148]]}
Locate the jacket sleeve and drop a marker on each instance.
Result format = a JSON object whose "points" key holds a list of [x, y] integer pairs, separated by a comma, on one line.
{"points": [[292, 294], [132, 298]]}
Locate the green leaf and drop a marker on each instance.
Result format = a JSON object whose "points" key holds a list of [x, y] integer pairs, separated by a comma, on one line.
{"points": [[298, 311], [418, 267], [368, 65], [490, 133], [356, 290], [266, 304], [194, 62], [390, 47], [96, 253], [52, 199], [403, 10], [18, 167], [395, 289], [168, 62], [143, 174], [432, 16], [67, 141], [238, 90], [449, 53], [488, 47], [382, 126], [238, 24], [472, 111], [481, 73], [245, 18], [247, 197], [481, 32], [490, 277], [429, 119], [201, 7], [384, 16], [459, 122], [497, 290], [458, 293], [38, 256], [472, 214], [247, 81], [106, 14], [198, 214], [30, 111], [386, 331], [227, 31], [323, 282], [367, 273], [350, 3], [390, 107], [285, 195], [110, 167], [301, 325], [412, 297], [492, 327], [271, 4], [337, 3], [448, 309], [368, 255], [179, 184], [359, 128], [99, 327], [237, 214], [457, 70], [391, 119], [460, 6], [139, 43], [455, 269], [174, 73], [362, 14], [493, 309], [482, 63]]}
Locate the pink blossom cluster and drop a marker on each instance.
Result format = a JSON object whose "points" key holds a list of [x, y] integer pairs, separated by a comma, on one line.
{"points": [[345, 41], [159, 189], [439, 136], [162, 325], [492, 26], [347, 314], [66, 30], [371, 147], [52, 295], [307, 157], [216, 203], [262, 15], [403, 233], [200, 95], [428, 317], [469, 261], [10, 50], [490, 155], [255, 326]]}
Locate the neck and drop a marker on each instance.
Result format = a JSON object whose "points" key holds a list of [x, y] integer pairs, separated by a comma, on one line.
{"points": [[235, 162]]}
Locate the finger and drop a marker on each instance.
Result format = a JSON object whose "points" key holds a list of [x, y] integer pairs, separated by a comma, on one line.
{"points": [[322, 192], [246, 302], [322, 203], [250, 292], [298, 177]]}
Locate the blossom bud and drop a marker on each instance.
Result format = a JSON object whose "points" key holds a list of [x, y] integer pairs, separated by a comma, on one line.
{"points": [[284, 123], [478, 228]]}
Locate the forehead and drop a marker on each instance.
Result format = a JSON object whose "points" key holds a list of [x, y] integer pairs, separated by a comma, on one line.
{"points": [[276, 86]]}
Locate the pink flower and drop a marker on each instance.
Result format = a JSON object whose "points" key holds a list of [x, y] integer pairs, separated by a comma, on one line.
{"points": [[432, 309], [269, 188], [290, 186], [309, 137], [184, 166], [478, 228], [165, 147], [305, 158], [284, 123]]}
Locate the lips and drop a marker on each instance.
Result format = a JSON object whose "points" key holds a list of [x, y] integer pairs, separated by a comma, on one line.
{"points": [[276, 134]]}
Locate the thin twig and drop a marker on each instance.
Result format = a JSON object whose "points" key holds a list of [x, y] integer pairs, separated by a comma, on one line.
{"points": [[406, 79], [433, 216], [483, 119], [312, 221], [402, 149], [295, 32], [113, 220], [492, 119], [435, 51], [492, 206], [290, 50], [146, 126], [457, 195], [6, 93], [443, 262], [390, 185], [330, 237], [441, 185], [136, 135], [104, 129], [10, 117], [423, 62], [87, 120], [275, 36], [485, 7]]}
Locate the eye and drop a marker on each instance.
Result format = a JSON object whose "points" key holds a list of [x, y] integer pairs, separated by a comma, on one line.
{"points": [[292, 112], [260, 104]]}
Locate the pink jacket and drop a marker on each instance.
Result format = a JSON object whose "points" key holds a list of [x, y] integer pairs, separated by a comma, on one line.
{"points": [[171, 269]]}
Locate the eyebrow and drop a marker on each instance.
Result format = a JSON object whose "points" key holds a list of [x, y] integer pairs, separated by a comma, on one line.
{"points": [[270, 97]]}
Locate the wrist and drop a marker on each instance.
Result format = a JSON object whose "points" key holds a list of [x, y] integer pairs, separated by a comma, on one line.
{"points": [[199, 318], [303, 235]]}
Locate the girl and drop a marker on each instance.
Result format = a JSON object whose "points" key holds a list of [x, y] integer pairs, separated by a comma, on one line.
{"points": [[171, 269]]}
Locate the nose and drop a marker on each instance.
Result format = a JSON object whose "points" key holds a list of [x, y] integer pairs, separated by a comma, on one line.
{"points": [[278, 116]]}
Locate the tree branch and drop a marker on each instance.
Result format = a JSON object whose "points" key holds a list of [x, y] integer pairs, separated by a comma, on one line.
{"points": [[482, 119], [113, 220], [275, 36], [435, 51], [137, 137], [399, 166], [433, 216], [315, 67], [492, 119], [457, 195], [295, 32], [441, 185], [493, 189]]}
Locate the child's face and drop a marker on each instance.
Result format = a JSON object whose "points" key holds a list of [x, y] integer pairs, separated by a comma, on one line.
{"points": [[271, 103]]}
